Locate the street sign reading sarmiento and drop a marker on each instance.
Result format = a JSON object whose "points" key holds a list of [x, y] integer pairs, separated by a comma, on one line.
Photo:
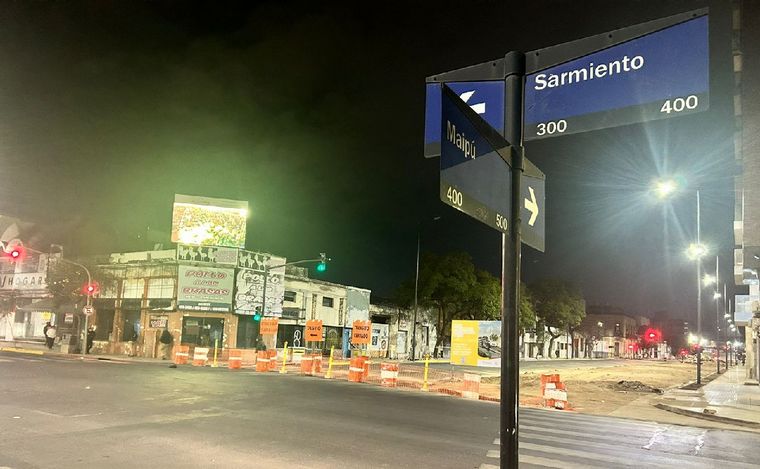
{"points": [[475, 176], [655, 76]]}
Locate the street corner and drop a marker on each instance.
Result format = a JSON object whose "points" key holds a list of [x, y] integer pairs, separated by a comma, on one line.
{"points": [[713, 414]]}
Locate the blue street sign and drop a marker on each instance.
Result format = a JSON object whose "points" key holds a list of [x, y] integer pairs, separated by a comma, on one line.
{"points": [[475, 177], [486, 98], [656, 76]]}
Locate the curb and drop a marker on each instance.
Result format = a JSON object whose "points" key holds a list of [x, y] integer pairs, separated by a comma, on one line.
{"points": [[715, 418], [21, 350]]}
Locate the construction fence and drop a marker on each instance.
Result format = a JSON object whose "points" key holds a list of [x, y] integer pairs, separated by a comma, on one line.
{"points": [[426, 375]]}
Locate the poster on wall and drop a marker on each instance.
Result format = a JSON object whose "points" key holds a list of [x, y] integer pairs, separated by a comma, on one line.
{"points": [[476, 343], [380, 337], [206, 221], [357, 305], [250, 283], [204, 289]]}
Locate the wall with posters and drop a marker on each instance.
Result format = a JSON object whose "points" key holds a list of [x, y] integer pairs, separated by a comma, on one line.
{"points": [[250, 283], [204, 289], [380, 339], [476, 343]]}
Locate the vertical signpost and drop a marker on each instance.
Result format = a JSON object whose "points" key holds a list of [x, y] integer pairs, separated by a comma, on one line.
{"points": [[650, 71]]}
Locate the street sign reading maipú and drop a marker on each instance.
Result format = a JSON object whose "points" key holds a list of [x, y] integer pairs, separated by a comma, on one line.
{"points": [[649, 71]]}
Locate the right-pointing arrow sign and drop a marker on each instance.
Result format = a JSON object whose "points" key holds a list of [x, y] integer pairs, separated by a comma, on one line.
{"points": [[532, 206], [533, 216]]}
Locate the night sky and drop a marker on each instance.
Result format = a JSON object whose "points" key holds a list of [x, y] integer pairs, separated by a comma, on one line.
{"points": [[314, 114]]}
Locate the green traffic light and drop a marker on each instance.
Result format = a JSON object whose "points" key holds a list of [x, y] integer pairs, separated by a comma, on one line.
{"points": [[257, 317], [321, 267]]}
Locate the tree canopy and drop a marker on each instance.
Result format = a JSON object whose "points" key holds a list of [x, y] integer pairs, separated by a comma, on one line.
{"points": [[453, 288]]}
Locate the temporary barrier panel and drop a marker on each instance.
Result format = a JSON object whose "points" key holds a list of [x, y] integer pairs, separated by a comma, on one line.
{"points": [[306, 365], [181, 354], [235, 359], [200, 356], [262, 361], [389, 374], [272, 360]]}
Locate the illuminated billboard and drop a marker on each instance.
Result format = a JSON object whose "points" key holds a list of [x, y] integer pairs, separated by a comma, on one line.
{"points": [[476, 343], [204, 221]]}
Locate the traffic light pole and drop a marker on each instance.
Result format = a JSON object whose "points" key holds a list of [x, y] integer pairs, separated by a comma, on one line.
{"points": [[267, 268], [511, 255]]}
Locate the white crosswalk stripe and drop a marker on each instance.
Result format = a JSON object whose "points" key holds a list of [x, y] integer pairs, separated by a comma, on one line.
{"points": [[567, 440]]}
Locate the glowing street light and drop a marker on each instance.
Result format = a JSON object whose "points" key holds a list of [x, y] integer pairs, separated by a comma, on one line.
{"points": [[717, 296], [665, 188], [708, 280], [696, 251]]}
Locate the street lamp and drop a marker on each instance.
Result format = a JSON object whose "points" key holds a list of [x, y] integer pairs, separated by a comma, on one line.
{"points": [[665, 188], [416, 284]]}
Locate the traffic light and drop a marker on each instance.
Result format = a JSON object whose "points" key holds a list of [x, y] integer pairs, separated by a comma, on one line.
{"points": [[322, 266], [257, 314], [91, 289], [15, 253]]}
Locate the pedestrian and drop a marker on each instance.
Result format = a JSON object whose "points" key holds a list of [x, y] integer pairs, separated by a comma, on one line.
{"points": [[90, 338], [49, 332], [166, 340]]}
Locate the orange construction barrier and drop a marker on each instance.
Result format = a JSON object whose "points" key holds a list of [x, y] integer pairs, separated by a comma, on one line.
{"points": [[235, 359], [200, 356], [389, 374], [273, 360], [365, 365], [262, 361], [307, 362], [317, 363], [554, 392], [181, 354], [356, 369]]}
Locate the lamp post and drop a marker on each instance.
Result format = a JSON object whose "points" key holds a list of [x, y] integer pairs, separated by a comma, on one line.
{"points": [[664, 189], [416, 284]]}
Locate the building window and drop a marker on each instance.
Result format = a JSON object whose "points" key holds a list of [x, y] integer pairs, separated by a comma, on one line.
{"points": [[290, 296], [161, 288], [327, 302], [133, 288]]}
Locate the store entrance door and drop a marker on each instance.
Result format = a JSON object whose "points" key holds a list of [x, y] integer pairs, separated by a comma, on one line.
{"points": [[202, 332]]}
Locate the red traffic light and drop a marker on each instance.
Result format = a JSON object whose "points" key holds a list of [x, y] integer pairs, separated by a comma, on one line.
{"points": [[90, 289], [652, 335], [16, 253]]}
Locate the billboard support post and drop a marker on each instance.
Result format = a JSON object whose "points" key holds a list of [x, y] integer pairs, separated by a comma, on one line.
{"points": [[514, 64]]}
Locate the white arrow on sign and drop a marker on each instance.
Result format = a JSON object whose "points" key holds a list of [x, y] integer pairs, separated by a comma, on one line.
{"points": [[479, 108], [532, 206]]}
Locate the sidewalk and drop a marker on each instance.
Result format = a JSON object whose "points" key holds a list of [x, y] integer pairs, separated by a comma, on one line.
{"points": [[35, 347], [725, 399]]}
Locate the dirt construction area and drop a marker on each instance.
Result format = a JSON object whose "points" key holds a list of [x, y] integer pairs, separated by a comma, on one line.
{"points": [[601, 390]]}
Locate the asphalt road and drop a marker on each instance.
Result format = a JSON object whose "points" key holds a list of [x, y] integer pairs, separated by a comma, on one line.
{"points": [[70, 413]]}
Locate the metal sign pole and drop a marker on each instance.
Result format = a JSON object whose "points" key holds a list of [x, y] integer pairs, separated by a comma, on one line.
{"points": [[510, 373]]}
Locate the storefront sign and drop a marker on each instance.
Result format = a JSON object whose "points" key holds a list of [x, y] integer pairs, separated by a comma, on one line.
{"points": [[313, 331], [32, 281], [361, 333], [158, 322], [204, 289], [268, 326], [250, 283]]}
